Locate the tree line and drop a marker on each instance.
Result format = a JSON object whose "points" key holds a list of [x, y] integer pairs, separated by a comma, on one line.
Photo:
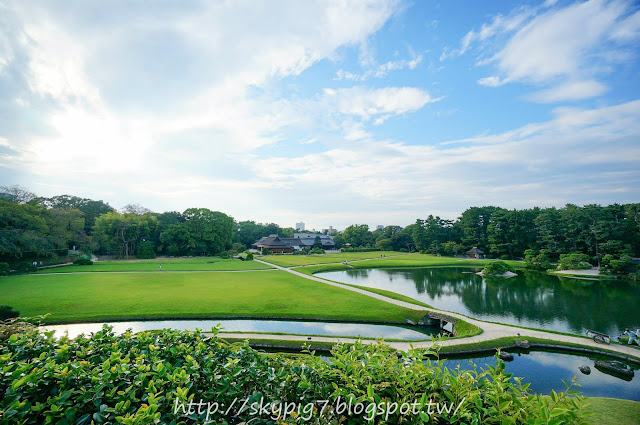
{"points": [[39, 227]]}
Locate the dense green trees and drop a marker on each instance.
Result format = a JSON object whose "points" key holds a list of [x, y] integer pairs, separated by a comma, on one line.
{"points": [[31, 231], [35, 227]]}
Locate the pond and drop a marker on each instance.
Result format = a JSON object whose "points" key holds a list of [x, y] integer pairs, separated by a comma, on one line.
{"points": [[531, 299], [546, 370], [364, 330]]}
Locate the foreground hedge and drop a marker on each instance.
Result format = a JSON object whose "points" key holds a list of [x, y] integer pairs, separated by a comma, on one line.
{"points": [[141, 378]]}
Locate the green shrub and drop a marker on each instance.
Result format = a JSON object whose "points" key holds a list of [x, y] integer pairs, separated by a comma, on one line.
{"points": [[143, 378], [537, 260], [317, 251], [619, 265], [497, 268], [83, 262], [505, 257], [146, 250], [232, 253], [7, 312], [249, 257], [4, 269], [25, 267], [574, 261], [224, 254]]}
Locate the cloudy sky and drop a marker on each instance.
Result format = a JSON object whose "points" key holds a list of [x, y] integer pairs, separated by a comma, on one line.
{"points": [[329, 112]]}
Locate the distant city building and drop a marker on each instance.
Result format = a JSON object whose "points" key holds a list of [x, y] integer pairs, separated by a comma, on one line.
{"points": [[300, 226], [380, 227]]}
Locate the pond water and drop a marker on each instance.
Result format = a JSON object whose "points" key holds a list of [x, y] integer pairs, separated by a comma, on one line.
{"points": [[531, 299], [546, 370], [264, 326]]}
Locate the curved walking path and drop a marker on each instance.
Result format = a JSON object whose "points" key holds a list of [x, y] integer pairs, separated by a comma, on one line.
{"points": [[491, 331]]}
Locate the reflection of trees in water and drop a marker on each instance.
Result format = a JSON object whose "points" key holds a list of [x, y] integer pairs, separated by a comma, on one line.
{"points": [[532, 296]]}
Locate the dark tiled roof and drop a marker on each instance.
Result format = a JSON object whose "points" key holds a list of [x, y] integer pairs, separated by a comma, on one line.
{"points": [[475, 250], [273, 242]]}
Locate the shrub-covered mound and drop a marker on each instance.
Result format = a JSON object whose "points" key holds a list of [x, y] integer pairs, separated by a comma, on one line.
{"points": [[497, 268], [151, 378]]}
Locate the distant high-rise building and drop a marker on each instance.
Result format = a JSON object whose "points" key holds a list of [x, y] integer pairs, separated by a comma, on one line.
{"points": [[300, 226], [380, 227]]}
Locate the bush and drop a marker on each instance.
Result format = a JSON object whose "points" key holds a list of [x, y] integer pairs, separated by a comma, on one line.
{"points": [[141, 378], [224, 254], [7, 312], [574, 261], [358, 249], [83, 262], [249, 257], [4, 269], [146, 250], [618, 265], [537, 260], [25, 267], [232, 253], [505, 257], [317, 251], [497, 268]]}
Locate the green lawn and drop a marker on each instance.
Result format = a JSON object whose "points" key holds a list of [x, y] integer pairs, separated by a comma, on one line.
{"points": [[303, 260], [168, 264], [104, 296], [373, 260], [612, 411], [404, 261]]}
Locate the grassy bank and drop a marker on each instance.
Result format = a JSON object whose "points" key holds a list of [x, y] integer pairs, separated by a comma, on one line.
{"points": [[375, 260], [168, 264], [104, 296], [612, 411], [303, 260]]}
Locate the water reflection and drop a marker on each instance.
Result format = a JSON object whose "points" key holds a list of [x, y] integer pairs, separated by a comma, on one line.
{"points": [[263, 326], [531, 299], [546, 370]]}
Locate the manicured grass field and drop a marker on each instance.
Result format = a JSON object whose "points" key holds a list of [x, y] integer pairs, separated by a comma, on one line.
{"points": [[403, 261], [168, 264], [612, 411], [104, 296], [303, 260], [374, 260]]}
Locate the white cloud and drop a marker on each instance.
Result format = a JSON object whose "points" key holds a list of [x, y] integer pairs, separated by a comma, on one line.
{"points": [[562, 47], [531, 161], [575, 90], [380, 71], [365, 103], [108, 97], [559, 43], [492, 81]]}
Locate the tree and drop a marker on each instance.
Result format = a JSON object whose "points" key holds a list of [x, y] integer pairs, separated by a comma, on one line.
{"points": [[358, 235], [119, 234], [17, 194], [384, 244], [537, 260], [211, 230], [90, 209], [177, 240]]}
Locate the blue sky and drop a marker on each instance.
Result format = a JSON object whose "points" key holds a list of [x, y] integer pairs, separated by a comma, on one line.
{"points": [[332, 113]]}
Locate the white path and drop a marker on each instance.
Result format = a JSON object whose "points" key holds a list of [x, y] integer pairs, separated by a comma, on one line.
{"points": [[490, 330]]}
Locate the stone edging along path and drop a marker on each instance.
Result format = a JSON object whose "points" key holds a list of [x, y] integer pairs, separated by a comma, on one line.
{"points": [[491, 331]]}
